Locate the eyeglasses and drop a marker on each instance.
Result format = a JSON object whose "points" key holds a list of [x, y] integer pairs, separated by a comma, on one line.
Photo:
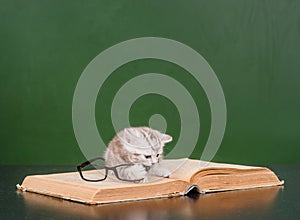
{"points": [[94, 170]]}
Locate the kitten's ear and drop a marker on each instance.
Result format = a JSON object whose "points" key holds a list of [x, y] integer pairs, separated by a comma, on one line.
{"points": [[165, 138]]}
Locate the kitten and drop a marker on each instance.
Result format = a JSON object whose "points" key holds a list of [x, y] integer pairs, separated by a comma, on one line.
{"points": [[141, 146]]}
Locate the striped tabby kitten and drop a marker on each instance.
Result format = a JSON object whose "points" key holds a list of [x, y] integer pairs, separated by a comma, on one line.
{"points": [[141, 146]]}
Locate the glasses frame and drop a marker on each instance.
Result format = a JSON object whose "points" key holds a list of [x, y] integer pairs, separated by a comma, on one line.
{"points": [[114, 169]]}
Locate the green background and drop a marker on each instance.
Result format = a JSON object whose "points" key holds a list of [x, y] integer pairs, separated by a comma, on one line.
{"points": [[253, 47]]}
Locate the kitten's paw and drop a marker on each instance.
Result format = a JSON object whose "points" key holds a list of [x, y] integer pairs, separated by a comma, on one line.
{"points": [[164, 172], [160, 171], [137, 172]]}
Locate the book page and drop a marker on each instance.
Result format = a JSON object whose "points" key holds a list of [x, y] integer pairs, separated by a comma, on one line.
{"points": [[181, 168], [185, 168], [73, 178]]}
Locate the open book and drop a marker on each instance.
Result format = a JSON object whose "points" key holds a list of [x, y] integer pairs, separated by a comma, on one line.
{"points": [[187, 175]]}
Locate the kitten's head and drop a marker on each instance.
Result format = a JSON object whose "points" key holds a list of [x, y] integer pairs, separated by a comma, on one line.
{"points": [[143, 144]]}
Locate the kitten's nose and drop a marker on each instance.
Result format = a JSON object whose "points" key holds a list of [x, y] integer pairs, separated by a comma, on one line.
{"points": [[152, 163]]}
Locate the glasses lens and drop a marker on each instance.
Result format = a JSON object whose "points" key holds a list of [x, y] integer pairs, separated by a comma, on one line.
{"points": [[94, 171]]}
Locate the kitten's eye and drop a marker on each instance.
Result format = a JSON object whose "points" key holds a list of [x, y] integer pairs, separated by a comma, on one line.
{"points": [[157, 155], [147, 156]]}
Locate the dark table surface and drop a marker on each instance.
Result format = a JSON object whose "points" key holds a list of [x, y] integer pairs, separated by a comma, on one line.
{"points": [[265, 203]]}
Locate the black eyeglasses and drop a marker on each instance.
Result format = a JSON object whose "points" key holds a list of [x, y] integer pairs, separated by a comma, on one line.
{"points": [[94, 170]]}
